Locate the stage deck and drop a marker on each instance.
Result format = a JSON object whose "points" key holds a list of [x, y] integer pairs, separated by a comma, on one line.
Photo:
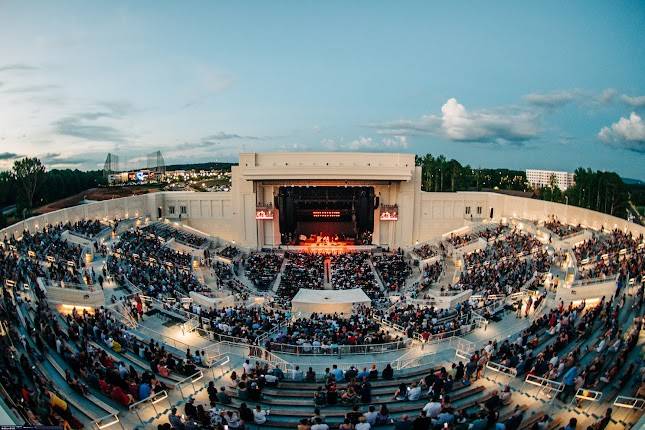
{"points": [[329, 248]]}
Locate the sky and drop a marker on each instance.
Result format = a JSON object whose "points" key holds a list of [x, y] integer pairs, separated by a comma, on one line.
{"points": [[548, 84]]}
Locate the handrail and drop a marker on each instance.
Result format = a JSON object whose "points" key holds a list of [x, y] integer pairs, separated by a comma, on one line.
{"points": [[630, 402], [155, 398], [500, 368], [374, 348], [593, 281], [586, 394], [543, 384], [190, 379], [151, 401], [100, 423]]}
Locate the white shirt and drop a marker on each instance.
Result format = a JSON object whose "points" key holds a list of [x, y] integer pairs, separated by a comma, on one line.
{"points": [[414, 393], [259, 417], [432, 409], [363, 426], [370, 417], [321, 426]]}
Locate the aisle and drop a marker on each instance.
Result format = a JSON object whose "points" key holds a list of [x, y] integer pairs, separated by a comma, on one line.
{"points": [[327, 264]]}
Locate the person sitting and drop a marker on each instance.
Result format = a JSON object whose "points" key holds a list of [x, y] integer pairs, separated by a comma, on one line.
{"points": [[362, 424], [370, 415], [242, 391], [319, 425], [401, 393], [222, 397], [403, 423], [349, 396], [332, 394], [270, 380], [494, 403], [373, 374], [388, 372], [310, 376], [121, 396], [383, 416], [260, 416], [320, 397], [414, 392], [505, 396], [354, 415], [175, 420], [190, 410]]}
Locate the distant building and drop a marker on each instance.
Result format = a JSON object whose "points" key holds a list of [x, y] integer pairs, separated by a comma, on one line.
{"points": [[542, 178]]}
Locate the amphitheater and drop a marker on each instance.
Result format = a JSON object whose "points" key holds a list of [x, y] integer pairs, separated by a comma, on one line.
{"points": [[325, 290]]}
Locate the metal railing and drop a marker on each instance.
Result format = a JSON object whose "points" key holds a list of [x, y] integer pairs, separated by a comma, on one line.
{"points": [[581, 283], [630, 402], [192, 379], [546, 385], [334, 349], [463, 348], [501, 369], [149, 401], [107, 422], [586, 394]]}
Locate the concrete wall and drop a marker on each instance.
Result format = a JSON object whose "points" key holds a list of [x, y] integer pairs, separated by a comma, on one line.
{"points": [[441, 212]]}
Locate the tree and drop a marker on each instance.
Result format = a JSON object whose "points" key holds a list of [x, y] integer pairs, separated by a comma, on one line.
{"points": [[29, 173]]}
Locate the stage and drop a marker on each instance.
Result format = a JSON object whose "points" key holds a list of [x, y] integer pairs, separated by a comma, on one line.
{"points": [[329, 248]]}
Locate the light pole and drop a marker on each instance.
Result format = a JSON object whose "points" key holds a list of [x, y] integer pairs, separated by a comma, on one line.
{"points": [[566, 199]]}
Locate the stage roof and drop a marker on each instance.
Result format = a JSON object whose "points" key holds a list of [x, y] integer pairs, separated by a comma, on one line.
{"points": [[327, 166]]}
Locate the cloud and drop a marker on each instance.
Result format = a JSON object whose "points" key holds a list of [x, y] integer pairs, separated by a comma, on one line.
{"points": [[458, 124], [395, 142], [217, 139], [83, 125], [365, 143], [634, 101], [27, 89], [57, 160], [8, 155], [628, 133], [552, 99], [18, 67], [76, 127], [607, 96]]}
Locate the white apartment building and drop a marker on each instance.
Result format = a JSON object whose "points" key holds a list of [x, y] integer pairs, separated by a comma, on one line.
{"points": [[542, 178]]}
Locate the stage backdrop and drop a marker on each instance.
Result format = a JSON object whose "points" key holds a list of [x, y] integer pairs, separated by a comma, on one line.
{"points": [[308, 301]]}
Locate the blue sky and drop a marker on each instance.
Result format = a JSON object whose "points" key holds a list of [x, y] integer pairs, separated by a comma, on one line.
{"points": [[493, 84]]}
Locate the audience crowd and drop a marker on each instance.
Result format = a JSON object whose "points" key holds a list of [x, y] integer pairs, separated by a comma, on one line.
{"points": [[262, 268]]}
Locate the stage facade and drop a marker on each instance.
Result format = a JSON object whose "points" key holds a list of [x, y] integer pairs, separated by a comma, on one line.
{"points": [[297, 198]]}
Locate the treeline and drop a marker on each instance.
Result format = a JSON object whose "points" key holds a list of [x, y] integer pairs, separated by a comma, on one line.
{"points": [[599, 191], [52, 185], [441, 174]]}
